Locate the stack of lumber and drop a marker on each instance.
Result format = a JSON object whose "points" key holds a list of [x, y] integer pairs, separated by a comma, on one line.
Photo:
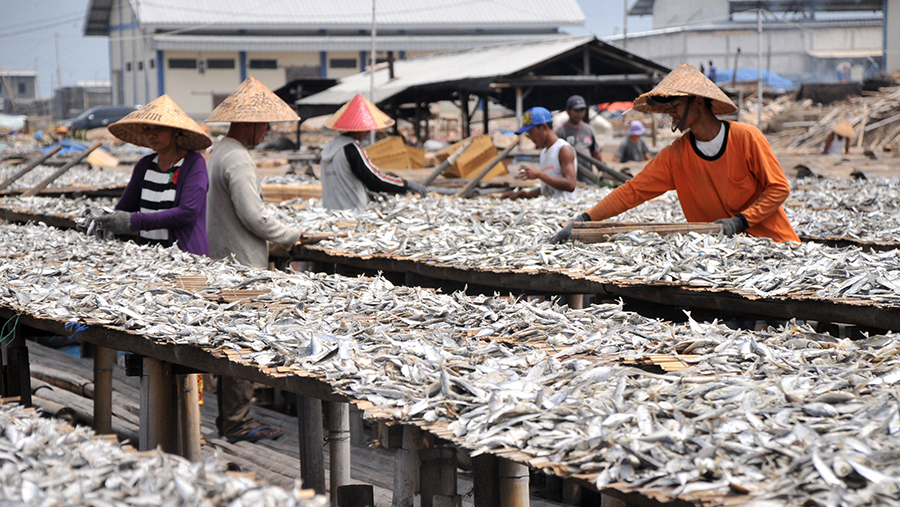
{"points": [[275, 193], [394, 153], [476, 157], [875, 117]]}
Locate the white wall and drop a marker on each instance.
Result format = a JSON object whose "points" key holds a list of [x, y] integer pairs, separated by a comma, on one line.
{"points": [[893, 35], [667, 13]]}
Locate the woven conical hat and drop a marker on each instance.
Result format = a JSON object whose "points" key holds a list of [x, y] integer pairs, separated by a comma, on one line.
{"points": [[252, 102], [163, 111], [358, 115], [683, 81], [843, 129]]}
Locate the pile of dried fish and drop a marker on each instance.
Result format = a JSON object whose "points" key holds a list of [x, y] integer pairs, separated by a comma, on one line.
{"points": [[864, 210], [63, 207], [46, 464], [792, 416], [79, 176], [290, 179]]}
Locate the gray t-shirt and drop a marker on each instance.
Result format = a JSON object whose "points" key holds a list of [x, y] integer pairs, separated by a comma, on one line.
{"points": [[581, 138], [629, 151]]}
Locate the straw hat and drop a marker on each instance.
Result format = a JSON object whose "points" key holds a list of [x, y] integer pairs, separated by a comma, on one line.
{"points": [[843, 129], [683, 81], [164, 112], [359, 115], [252, 102]]}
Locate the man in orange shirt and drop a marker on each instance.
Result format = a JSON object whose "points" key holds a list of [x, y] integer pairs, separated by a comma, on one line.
{"points": [[723, 171]]}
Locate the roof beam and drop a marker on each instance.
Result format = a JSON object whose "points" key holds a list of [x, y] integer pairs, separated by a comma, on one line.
{"points": [[615, 79]]}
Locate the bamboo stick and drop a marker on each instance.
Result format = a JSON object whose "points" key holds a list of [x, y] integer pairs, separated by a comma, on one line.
{"points": [[29, 166], [59, 172], [477, 179], [447, 163]]}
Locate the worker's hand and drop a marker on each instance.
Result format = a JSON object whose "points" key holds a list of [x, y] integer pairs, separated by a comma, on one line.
{"points": [[117, 222], [417, 188], [511, 195], [565, 234], [529, 173], [733, 225]]}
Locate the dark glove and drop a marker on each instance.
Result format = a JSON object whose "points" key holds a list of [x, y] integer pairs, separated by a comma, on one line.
{"points": [[418, 188], [565, 234], [117, 222], [733, 225]]}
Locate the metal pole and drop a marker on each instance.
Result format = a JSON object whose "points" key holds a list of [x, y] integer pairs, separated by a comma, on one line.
{"points": [[625, 25], [759, 86], [372, 70]]}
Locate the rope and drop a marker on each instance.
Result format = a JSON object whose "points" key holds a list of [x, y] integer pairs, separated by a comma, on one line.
{"points": [[12, 332], [78, 328]]}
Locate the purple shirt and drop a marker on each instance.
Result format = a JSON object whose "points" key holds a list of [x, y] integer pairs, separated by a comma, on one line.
{"points": [[186, 220]]}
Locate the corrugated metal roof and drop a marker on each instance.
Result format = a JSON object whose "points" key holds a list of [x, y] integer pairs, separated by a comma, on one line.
{"points": [[645, 7], [441, 67], [338, 43], [357, 14], [724, 27]]}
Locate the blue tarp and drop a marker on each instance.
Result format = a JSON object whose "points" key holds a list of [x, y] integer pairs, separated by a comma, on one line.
{"points": [[770, 79], [68, 146]]}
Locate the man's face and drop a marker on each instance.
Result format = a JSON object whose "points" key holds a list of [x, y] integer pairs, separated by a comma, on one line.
{"points": [[538, 135], [676, 109], [259, 132], [576, 115]]}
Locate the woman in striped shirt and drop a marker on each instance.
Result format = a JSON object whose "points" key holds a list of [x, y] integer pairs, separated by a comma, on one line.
{"points": [[165, 200]]}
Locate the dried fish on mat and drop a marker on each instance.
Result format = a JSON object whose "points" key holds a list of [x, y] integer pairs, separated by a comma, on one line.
{"points": [[790, 416], [45, 463], [78, 176]]}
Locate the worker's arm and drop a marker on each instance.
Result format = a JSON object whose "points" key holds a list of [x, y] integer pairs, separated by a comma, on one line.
{"points": [[654, 180], [828, 141], [846, 146], [193, 181], [521, 194], [369, 175], [765, 168], [569, 178]]}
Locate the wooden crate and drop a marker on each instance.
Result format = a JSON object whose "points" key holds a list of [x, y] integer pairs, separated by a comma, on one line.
{"points": [[389, 153], [416, 157], [474, 159], [275, 193]]}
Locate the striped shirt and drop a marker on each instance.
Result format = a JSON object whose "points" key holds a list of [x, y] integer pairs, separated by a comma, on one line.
{"points": [[158, 194]]}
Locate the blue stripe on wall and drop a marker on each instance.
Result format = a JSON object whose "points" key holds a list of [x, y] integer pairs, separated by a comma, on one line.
{"points": [[160, 74], [323, 64], [243, 56]]}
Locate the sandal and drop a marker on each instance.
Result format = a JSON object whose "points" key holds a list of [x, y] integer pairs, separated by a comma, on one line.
{"points": [[260, 433]]}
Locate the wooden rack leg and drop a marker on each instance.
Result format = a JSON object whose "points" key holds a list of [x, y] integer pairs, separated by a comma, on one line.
{"points": [[189, 409], [406, 468], [486, 476], [575, 301], [104, 359], [437, 473], [338, 446], [158, 427], [513, 484], [312, 457], [357, 426], [18, 370]]}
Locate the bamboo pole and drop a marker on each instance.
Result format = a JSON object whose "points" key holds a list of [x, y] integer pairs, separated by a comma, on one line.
{"points": [[54, 409], [477, 179], [603, 167], [104, 359], [312, 458], [157, 417], [29, 166], [59, 172], [189, 408], [406, 468], [338, 446], [447, 163], [513, 484]]}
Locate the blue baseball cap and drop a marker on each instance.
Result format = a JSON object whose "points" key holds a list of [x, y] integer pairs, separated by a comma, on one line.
{"points": [[534, 116]]}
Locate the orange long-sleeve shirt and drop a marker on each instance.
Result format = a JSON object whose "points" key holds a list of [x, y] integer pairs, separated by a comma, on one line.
{"points": [[744, 177]]}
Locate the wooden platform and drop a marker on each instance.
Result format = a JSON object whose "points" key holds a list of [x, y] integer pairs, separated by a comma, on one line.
{"points": [[275, 462]]}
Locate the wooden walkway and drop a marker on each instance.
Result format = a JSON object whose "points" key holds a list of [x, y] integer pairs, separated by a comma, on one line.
{"points": [[275, 462]]}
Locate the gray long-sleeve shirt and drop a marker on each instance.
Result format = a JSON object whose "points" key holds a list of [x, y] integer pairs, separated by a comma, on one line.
{"points": [[237, 221], [347, 173]]}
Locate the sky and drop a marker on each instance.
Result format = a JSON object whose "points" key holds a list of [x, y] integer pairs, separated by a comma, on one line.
{"points": [[47, 35]]}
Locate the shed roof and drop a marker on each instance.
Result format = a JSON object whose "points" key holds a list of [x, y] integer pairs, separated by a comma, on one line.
{"points": [[645, 7], [315, 15], [553, 70]]}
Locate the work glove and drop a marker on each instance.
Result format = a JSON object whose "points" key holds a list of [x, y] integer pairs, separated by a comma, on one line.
{"points": [[117, 222], [733, 225], [417, 188], [565, 234]]}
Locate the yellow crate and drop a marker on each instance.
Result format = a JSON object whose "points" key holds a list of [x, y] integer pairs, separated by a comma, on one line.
{"points": [[474, 159], [389, 153]]}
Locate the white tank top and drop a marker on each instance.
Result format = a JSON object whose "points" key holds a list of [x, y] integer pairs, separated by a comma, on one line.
{"points": [[550, 164]]}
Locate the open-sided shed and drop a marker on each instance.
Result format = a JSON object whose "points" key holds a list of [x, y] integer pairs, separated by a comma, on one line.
{"points": [[517, 76]]}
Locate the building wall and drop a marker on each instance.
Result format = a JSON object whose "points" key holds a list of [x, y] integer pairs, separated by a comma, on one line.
{"points": [[892, 43], [18, 87], [668, 13], [783, 51], [132, 62]]}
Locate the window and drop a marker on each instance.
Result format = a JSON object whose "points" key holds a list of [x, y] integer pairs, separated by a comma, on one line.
{"points": [[152, 64], [263, 64], [342, 63], [140, 65], [220, 63], [182, 63], [21, 88], [128, 66]]}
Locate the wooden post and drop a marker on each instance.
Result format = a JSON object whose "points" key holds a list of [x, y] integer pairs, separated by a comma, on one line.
{"points": [[437, 473], [513, 484], [486, 479], [575, 301], [18, 374], [189, 410], [357, 426], [339, 445], [104, 359], [653, 129], [406, 468], [312, 457], [484, 113], [464, 110], [157, 416], [356, 495]]}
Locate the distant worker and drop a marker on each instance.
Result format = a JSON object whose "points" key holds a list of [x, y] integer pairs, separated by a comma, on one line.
{"points": [[348, 176], [165, 200], [722, 171], [712, 72], [557, 160], [633, 148], [578, 133], [240, 225], [61, 133], [838, 140]]}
